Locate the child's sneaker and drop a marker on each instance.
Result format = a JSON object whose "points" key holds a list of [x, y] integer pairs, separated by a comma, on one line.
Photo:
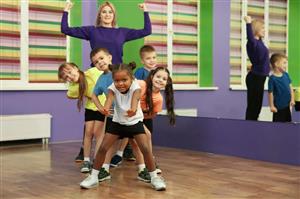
{"points": [[115, 161], [86, 167], [90, 182], [79, 157], [158, 183], [144, 176], [128, 154], [103, 175]]}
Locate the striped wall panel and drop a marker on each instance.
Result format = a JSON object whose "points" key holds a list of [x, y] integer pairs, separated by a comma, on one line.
{"points": [[158, 39], [47, 46], [278, 26], [185, 42], [10, 68], [235, 42]]}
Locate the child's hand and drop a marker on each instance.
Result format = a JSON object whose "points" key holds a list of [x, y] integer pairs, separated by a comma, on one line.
{"points": [[292, 103], [273, 109], [104, 112], [247, 19], [131, 113], [68, 6], [143, 7]]}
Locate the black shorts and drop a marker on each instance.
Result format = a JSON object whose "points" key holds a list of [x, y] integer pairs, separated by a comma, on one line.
{"points": [[90, 115], [149, 124], [124, 131], [283, 115], [297, 106]]}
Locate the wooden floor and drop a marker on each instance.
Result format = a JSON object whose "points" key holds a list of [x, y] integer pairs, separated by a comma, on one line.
{"points": [[34, 171]]}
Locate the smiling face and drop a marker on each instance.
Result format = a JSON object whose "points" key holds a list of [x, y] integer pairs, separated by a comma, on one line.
{"points": [[149, 60], [70, 74], [281, 64], [160, 79], [101, 60], [107, 16], [122, 80]]}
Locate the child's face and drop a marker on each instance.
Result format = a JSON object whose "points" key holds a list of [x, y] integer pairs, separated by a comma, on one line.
{"points": [[160, 79], [281, 64], [149, 60], [122, 80], [107, 15], [101, 61], [70, 74]]}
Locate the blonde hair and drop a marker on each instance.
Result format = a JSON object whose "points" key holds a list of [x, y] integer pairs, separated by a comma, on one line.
{"points": [[112, 7], [256, 24], [276, 57]]}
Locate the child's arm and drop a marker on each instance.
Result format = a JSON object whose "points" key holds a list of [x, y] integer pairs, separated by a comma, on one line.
{"points": [[271, 103], [292, 103], [97, 103], [109, 100], [134, 103]]}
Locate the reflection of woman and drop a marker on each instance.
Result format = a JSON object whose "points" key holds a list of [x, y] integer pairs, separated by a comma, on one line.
{"points": [[258, 54], [105, 34]]}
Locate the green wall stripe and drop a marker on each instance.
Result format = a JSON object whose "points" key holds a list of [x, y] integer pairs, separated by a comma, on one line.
{"points": [[294, 41], [76, 44], [206, 43]]}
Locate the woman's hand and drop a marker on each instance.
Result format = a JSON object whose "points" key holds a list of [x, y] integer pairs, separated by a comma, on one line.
{"points": [[143, 7], [68, 6], [247, 19]]}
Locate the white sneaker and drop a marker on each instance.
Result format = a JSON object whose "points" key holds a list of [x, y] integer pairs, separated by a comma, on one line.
{"points": [[89, 182], [158, 183]]}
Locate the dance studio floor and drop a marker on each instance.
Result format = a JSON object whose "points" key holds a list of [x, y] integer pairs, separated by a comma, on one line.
{"points": [[39, 172]]}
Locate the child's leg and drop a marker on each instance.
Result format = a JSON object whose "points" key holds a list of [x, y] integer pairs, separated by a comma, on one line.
{"points": [[98, 134], [143, 173], [156, 181], [142, 142], [106, 144], [117, 158], [92, 180], [89, 127], [80, 156]]}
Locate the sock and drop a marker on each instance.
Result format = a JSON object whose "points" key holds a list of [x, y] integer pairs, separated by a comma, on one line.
{"points": [[153, 174], [87, 159], [120, 153], [141, 167], [106, 167], [95, 173]]}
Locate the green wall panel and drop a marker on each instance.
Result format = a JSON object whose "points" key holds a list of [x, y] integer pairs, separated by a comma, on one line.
{"points": [[294, 41], [206, 43]]}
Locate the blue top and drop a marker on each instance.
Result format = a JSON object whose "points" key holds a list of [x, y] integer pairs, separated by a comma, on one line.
{"points": [[102, 84], [280, 87], [112, 39], [258, 54], [141, 73]]}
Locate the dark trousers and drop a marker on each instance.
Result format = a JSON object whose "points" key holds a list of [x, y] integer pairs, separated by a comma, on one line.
{"points": [[255, 93], [283, 115]]}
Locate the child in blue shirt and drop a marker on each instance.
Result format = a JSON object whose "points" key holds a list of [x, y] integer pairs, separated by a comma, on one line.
{"points": [[281, 95], [148, 58]]}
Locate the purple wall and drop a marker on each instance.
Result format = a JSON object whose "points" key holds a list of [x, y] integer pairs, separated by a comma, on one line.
{"points": [[67, 123], [266, 141]]}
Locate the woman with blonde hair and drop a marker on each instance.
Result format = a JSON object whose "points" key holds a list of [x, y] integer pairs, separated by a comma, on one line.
{"points": [[105, 34]]}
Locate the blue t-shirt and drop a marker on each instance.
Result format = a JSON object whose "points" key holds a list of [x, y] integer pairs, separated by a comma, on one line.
{"points": [[102, 84], [141, 73], [280, 87]]}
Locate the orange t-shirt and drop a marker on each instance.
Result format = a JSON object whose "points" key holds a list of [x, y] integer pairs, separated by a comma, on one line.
{"points": [[156, 97]]}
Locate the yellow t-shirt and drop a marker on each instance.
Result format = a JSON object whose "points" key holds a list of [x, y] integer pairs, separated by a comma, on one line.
{"points": [[91, 76], [297, 94]]}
